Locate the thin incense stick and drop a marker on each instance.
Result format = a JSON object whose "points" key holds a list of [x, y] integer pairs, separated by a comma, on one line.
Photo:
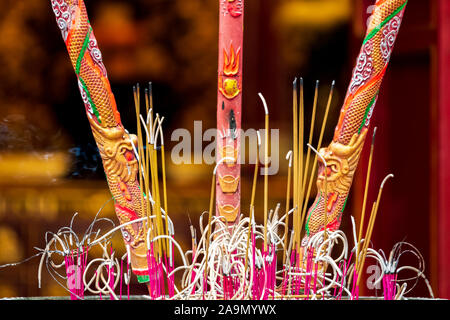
{"points": [[288, 196], [149, 115], [363, 251], [251, 217], [300, 191], [145, 159], [266, 167], [141, 171], [252, 201], [293, 254], [311, 133], [255, 175], [157, 131], [144, 156], [363, 211], [163, 165], [371, 224], [153, 163], [324, 121], [325, 209], [211, 203], [287, 264], [295, 143]]}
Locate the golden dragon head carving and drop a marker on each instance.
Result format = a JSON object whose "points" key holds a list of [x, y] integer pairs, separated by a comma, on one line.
{"points": [[341, 161], [116, 150]]}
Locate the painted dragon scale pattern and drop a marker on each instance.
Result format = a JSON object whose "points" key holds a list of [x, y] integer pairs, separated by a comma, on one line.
{"points": [[342, 155], [114, 144]]}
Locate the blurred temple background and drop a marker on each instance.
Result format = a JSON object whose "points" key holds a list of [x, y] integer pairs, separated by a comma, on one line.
{"points": [[50, 167]]}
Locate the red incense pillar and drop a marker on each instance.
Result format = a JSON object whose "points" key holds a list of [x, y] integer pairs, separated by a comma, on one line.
{"points": [[229, 104], [444, 149]]}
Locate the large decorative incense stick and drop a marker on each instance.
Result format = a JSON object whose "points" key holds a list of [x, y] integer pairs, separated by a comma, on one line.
{"points": [[229, 100], [114, 144], [343, 153]]}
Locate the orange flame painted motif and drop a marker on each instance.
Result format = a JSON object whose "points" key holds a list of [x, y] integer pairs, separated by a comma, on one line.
{"points": [[231, 61], [230, 87]]}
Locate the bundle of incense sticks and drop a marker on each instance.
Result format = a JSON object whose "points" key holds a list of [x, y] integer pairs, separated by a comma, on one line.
{"points": [[158, 234], [389, 286], [362, 249], [75, 263], [299, 165]]}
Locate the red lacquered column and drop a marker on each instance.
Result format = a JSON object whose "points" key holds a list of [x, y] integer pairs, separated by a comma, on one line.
{"points": [[444, 149], [229, 105]]}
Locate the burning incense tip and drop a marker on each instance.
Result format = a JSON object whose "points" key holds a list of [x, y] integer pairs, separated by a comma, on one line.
{"points": [[373, 136], [266, 110], [386, 179], [289, 157]]}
